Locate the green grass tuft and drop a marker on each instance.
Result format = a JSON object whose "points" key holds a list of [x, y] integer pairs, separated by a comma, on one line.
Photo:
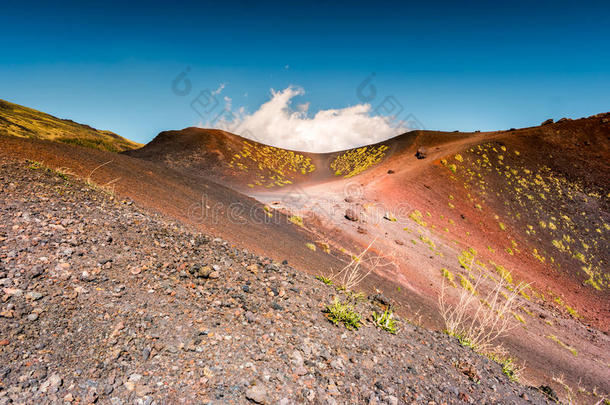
{"points": [[339, 312], [325, 280]]}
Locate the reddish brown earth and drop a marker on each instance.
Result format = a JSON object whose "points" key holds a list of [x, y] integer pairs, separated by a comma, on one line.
{"points": [[561, 176], [531, 177]]}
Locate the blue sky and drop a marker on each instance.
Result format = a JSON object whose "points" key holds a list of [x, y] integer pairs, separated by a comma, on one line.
{"points": [[463, 66]]}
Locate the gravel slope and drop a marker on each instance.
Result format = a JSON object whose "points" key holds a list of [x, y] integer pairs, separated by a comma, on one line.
{"points": [[103, 302]]}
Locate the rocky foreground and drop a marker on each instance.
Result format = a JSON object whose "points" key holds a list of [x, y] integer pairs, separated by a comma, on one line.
{"points": [[102, 302]]}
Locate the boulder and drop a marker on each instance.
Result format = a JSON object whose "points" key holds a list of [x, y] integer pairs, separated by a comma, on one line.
{"points": [[351, 214], [421, 153]]}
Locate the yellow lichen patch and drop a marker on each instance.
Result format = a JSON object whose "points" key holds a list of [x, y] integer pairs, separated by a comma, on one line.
{"points": [[448, 275], [466, 258], [417, 217], [311, 246], [324, 246], [295, 219], [466, 284], [505, 274], [565, 346], [519, 318], [427, 241], [355, 161], [275, 166], [543, 196]]}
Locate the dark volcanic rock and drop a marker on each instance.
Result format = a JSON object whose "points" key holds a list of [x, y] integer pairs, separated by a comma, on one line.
{"points": [[421, 153], [351, 214]]}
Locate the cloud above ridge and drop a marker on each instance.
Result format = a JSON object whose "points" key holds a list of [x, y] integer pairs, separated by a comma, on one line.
{"points": [[278, 123]]}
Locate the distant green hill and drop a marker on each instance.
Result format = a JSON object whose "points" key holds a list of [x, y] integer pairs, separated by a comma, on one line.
{"points": [[24, 122]]}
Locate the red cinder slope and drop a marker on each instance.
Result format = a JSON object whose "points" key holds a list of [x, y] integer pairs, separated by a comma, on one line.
{"points": [[519, 206]]}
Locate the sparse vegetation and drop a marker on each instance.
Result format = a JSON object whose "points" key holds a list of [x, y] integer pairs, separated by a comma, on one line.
{"points": [[467, 285], [325, 280], [509, 365], [273, 166], [352, 274], [62, 173], [26, 122], [477, 324], [417, 217], [519, 318], [108, 187], [355, 161], [562, 344], [297, 220], [448, 275], [386, 321], [339, 312]]}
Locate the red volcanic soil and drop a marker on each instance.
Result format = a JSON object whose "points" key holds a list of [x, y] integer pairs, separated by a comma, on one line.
{"points": [[533, 202], [528, 205], [210, 207], [189, 198]]}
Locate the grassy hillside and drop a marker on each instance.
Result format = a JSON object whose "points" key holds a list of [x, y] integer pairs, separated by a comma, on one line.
{"points": [[16, 120]]}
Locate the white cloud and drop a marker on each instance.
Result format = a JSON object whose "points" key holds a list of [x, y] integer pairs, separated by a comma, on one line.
{"points": [[228, 102], [219, 89], [277, 123]]}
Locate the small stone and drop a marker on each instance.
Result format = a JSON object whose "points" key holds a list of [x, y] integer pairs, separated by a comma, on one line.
{"points": [[142, 390], [32, 317], [421, 153], [36, 271], [51, 384], [33, 295], [135, 377], [297, 358], [392, 400], [257, 394], [337, 364], [301, 370], [4, 342], [351, 214], [250, 317]]}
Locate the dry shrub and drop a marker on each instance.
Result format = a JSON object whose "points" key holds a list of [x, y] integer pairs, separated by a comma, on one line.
{"points": [[107, 187], [359, 268], [477, 320]]}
